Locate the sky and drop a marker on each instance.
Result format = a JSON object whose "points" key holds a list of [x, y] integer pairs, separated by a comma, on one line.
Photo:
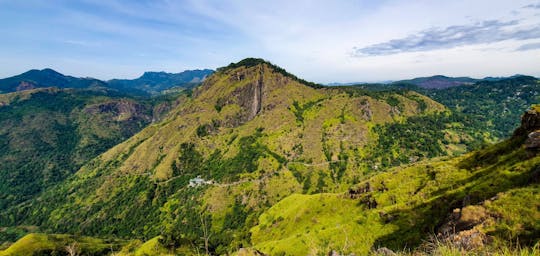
{"points": [[320, 41]]}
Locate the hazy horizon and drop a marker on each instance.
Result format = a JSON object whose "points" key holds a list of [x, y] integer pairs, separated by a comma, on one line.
{"points": [[321, 41], [328, 83]]}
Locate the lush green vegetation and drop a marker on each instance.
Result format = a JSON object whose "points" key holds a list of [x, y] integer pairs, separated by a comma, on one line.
{"points": [[424, 137], [495, 105], [47, 135], [45, 244], [314, 170], [401, 208]]}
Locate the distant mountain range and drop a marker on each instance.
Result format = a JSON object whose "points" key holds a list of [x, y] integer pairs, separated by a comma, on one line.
{"points": [[155, 82], [439, 81], [431, 82], [45, 78], [149, 83]]}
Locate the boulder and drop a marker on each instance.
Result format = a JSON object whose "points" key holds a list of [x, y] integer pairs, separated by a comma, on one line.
{"points": [[533, 140], [530, 122]]}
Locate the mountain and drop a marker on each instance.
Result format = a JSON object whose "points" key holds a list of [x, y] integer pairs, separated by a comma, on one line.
{"points": [[156, 82], [150, 83], [256, 160], [439, 81], [47, 134], [478, 203], [45, 78], [251, 135]]}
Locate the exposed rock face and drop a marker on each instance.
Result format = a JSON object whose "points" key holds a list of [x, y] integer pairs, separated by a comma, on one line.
{"points": [[462, 228], [394, 111], [366, 110], [469, 239], [121, 110], [250, 98], [383, 251], [530, 121], [160, 111], [530, 127], [26, 85], [533, 140]]}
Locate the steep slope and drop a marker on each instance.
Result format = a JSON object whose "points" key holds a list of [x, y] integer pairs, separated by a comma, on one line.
{"points": [[156, 82], [485, 198], [47, 134], [253, 130], [45, 78]]}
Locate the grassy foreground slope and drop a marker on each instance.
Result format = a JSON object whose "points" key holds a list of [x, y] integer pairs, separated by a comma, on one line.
{"points": [[47, 244], [486, 197]]}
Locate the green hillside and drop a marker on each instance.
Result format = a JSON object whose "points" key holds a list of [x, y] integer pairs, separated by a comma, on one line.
{"points": [[258, 134], [486, 197], [489, 106], [48, 134], [258, 160]]}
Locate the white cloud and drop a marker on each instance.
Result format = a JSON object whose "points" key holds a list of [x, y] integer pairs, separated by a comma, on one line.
{"points": [[312, 39]]}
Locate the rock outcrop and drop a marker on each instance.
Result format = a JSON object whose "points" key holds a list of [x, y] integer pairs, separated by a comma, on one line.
{"points": [[26, 85], [533, 140], [462, 229], [249, 98], [530, 122], [530, 127], [121, 110]]}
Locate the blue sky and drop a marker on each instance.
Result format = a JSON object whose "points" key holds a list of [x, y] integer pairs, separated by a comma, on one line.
{"points": [[321, 41]]}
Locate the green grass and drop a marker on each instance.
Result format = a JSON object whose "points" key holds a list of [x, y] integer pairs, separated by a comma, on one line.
{"points": [[49, 244], [314, 224]]}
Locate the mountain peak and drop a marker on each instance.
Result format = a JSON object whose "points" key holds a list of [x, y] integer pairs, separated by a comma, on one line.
{"points": [[42, 72], [247, 62], [251, 62], [155, 75], [50, 71]]}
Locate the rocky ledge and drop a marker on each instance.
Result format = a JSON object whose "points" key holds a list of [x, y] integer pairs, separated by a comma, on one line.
{"points": [[530, 125]]}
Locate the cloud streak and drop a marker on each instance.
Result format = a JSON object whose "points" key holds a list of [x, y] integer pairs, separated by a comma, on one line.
{"points": [[532, 6], [527, 47], [485, 32]]}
